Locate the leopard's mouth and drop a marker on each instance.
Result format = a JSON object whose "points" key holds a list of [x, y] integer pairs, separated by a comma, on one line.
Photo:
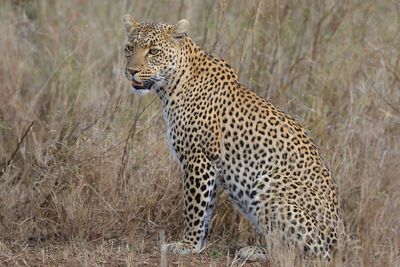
{"points": [[136, 84], [141, 85]]}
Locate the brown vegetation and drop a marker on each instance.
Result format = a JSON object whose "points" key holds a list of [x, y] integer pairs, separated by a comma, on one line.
{"points": [[86, 177]]}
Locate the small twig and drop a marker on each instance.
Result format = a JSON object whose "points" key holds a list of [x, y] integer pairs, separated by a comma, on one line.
{"points": [[8, 163], [206, 26], [131, 133], [380, 94], [315, 43], [163, 251]]}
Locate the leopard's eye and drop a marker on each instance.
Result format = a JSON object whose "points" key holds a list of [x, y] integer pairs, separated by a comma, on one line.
{"points": [[128, 49], [154, 51]]}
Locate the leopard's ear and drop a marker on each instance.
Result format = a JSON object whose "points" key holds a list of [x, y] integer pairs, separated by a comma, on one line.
{"points": [[180, 30], [130, 23]]}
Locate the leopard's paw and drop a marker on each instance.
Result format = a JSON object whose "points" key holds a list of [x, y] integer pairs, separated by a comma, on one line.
{"points": [[181, 248], [253, 254]]}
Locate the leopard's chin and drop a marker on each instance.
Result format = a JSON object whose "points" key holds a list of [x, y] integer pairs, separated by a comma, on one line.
{"points": [[140, 91]]}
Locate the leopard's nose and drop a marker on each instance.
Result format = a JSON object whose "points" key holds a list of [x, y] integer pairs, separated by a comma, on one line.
{"points": [[132, 71]]}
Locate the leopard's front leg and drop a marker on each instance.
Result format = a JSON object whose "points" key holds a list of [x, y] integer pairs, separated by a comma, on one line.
{"points": [[200, 193]]}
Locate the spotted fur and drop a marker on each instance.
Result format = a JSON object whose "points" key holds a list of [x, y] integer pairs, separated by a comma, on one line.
{"points": [[224, 135]]}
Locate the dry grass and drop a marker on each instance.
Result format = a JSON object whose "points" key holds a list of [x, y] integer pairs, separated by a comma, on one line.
{"points": [[91, 181]]}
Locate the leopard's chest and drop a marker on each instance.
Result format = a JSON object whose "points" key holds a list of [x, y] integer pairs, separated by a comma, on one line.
{"points": [[179, 130], [187, 127], [172, 136]]}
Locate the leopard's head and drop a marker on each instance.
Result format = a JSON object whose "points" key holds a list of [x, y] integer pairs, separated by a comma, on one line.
{"points": [[152, 52]]}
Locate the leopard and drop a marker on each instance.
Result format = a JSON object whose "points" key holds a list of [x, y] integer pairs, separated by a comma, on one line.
{"points": [[227, 138]]}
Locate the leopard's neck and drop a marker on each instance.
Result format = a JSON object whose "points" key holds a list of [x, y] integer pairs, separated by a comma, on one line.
{"points": [[194, 68]]}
